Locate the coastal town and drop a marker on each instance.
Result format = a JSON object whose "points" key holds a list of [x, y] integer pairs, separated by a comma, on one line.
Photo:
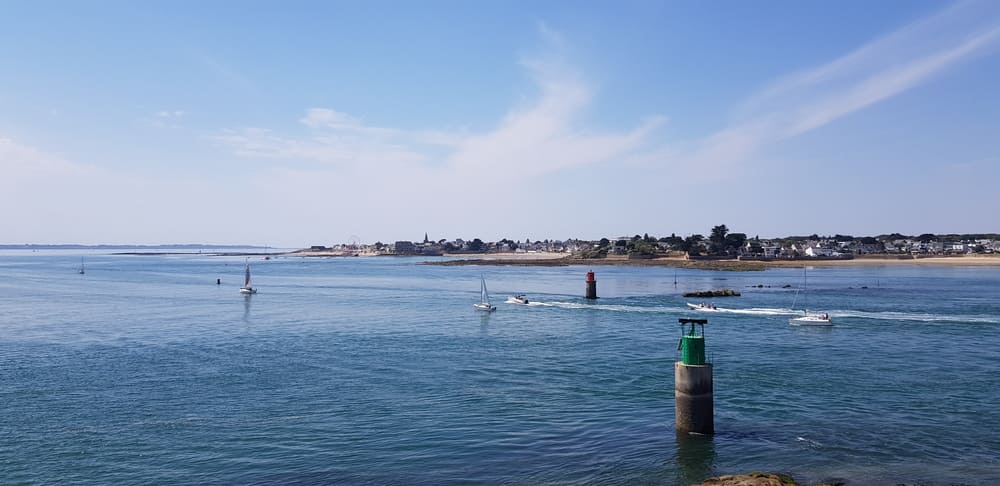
{"points": [[720, 244]]}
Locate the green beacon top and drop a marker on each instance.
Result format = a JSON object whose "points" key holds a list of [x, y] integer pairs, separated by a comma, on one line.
{"points": [[691, 345]]}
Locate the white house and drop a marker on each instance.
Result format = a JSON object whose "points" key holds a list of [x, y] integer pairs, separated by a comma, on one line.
{"points": [[816, 251]]}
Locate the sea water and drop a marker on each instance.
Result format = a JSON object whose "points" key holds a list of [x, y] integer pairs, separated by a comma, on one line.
{"points": [[379, 371]]}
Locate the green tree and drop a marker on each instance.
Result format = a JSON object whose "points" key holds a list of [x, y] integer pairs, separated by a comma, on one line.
{"points": [[735, 241], [692, 243], [674, 241], [717, 239], [476, 245]]}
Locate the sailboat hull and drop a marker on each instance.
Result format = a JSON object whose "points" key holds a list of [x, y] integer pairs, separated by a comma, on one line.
{"points": [[484, 303], [812, 320], [247, 288]]}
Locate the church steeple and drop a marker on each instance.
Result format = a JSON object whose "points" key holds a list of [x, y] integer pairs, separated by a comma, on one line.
{"points": [[425, 238]]}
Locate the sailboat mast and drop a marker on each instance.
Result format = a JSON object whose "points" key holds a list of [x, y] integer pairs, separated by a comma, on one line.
{"points": [[805, 290], [484, 294], [246, 280]]}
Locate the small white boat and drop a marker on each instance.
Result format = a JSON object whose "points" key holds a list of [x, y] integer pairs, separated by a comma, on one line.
{"points": [[518, 299], [807, 319], [811, 320], [247, 287], [484, 298], [704, 307]]}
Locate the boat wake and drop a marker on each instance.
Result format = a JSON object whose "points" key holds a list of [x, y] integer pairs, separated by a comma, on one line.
{"points": [[762, 311], [609, 307], [768, 311], [918, 317]]}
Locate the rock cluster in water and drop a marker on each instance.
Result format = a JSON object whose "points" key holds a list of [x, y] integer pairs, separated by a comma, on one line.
{"points": [[757, 479], [713, 293]]}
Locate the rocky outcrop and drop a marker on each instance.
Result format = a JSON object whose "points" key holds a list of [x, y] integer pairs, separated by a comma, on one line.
{"points": [[752, 479], [713, 293], [758, 479]]}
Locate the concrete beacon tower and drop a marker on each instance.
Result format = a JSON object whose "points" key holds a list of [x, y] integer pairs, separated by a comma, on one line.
{"points": [[591, 286], [693, 402]]}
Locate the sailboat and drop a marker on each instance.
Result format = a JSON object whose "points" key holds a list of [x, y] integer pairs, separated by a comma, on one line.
{"points": [[484, 299], [81, 266], [807, 319], [247, 288]]}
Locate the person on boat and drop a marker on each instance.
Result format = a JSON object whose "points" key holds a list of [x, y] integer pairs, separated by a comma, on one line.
{"points": [[826, 316]]}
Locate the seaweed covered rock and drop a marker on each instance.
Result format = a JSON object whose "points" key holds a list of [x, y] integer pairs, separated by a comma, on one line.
{"points": [[713, 293], [758, 478], [752, 479]]}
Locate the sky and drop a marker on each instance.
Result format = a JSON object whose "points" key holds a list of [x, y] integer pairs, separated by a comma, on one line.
{"points": [[299, 123]]}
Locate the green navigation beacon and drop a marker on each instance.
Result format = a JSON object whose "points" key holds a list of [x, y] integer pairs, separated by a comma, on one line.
{"points": [[691, 345], [694, 406]]}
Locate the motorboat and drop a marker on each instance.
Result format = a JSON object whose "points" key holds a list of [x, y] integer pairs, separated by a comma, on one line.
{"points": [[518, 299], [814, 320], [703, 307]]}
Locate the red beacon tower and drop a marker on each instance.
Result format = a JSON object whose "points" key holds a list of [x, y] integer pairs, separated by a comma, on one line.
{"points": [[591, 286]]}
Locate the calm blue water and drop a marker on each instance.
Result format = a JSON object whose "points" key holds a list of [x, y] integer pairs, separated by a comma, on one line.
{"points": [[379, 371]]}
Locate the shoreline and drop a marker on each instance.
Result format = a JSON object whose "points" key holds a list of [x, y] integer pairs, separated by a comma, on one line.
{"points": [[556, 259], [546, 259]]}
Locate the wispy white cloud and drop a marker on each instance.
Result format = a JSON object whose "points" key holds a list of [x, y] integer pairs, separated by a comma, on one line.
{"points": [[544, 135], [341, 157], [169, 114], [165, 118], [226, 74], [19, 161], [877, 71], [547, 134]]}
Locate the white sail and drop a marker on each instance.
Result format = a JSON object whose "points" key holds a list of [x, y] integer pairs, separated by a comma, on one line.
{"points": [[247, 288], [485, 297], [821, 320]]}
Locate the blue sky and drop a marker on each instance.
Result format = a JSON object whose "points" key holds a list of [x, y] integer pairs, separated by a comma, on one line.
{"points": [[299, 123]]}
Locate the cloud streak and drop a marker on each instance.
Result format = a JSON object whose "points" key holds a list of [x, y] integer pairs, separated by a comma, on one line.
{"points": [[877, 71], [541, 137], [547, 135]]}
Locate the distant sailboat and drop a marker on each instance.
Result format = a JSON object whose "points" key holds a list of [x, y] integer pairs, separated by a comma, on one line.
{"points": [[484, 298], [81, 266], [247, 288], [806, 319]]}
